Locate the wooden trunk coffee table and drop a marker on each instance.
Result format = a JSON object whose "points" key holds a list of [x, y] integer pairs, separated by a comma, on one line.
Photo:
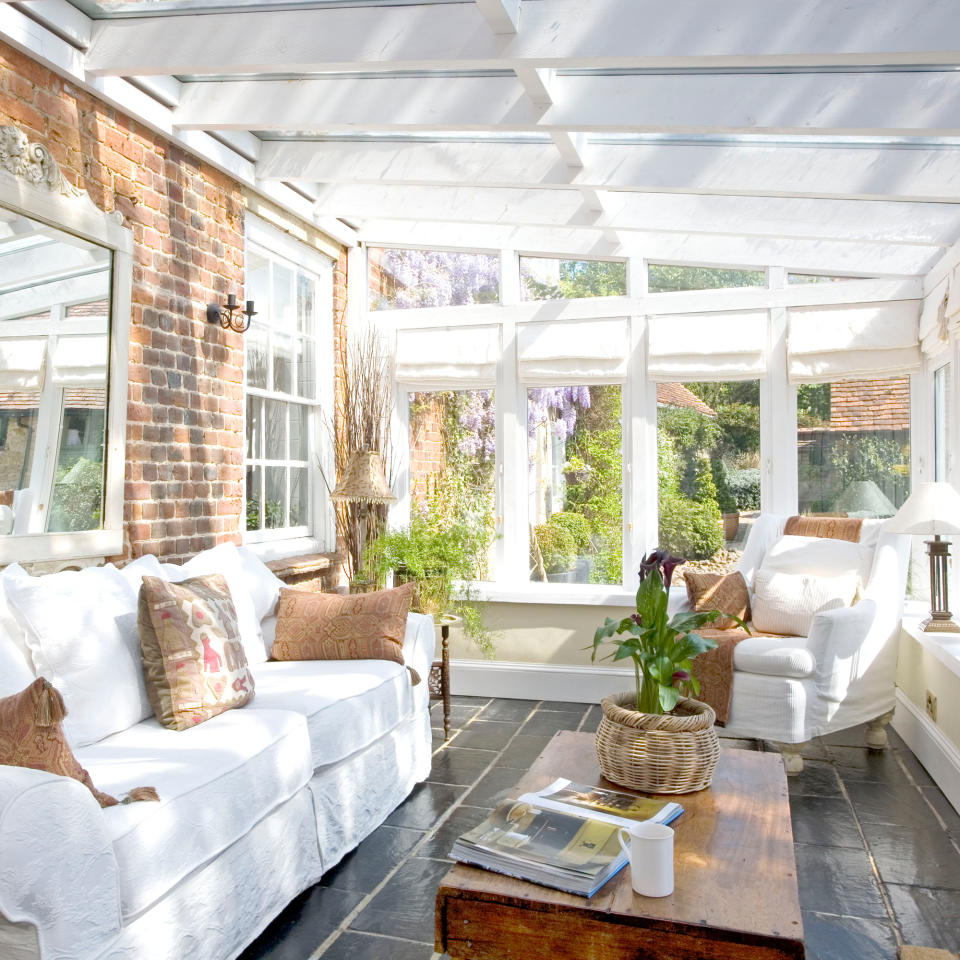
{"points": [[735, 892]]}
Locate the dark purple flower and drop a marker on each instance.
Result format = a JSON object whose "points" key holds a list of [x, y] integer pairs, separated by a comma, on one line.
{"points": [[637, 619], [661, 561], [679, 675]]}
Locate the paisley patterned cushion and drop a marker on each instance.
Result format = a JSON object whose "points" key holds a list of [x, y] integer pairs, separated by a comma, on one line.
{"points": [[328, 626], [716, 591], [193, 659], [31, 736]]}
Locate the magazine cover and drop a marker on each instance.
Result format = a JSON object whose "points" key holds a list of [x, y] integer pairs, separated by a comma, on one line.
{"points": [[611, 806]]}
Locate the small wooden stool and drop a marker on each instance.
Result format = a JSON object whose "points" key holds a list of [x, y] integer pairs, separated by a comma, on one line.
{"points": [[439, 679]]}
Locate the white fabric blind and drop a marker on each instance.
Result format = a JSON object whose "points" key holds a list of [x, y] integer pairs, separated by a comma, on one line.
{"points": [[953, 298], [933, 326], [448, 358], [708, 346], [580, 351], [80, 361], [853, 341], [21, 364]]}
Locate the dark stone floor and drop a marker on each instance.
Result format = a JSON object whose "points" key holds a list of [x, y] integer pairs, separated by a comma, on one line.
{"points": [[877, 845]]}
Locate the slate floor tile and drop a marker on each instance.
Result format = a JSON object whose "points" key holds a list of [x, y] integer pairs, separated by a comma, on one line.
{"points": [[366, 866], [948, 815], [459, 765], [426, 803], [847, 938], [304, 924], [487, 734], [738, 743], [592, 720], [927, 917], [817, 779], [851, 737], [914, 856], [873, 766], [899, 804], [824, 820], [549, 723], [563, 706], [460, 715], [499, 784], [469, 701], [837, 880], [509, 710], [523, 751], [462, 819], [405, 906], [364, 946]]}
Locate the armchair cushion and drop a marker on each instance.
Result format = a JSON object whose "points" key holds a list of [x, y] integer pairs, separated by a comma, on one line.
{"points": [[785, 603], [818, 557], [774, 656]]}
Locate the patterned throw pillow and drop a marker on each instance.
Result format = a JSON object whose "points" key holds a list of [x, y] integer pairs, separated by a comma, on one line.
{"points": [[329, 626], [193, 659], [31, 735], [716, 591]]}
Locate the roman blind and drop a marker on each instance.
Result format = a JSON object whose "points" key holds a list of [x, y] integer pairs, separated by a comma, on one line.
{"points": [[448, 358], [573, 351], [21, 364], [80, 361], [857, 341], [708, 346]]}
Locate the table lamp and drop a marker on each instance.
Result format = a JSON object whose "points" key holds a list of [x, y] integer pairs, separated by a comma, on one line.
{"points": [[933, 509]]}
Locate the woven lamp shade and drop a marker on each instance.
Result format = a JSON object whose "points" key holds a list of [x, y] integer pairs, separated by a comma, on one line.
{"points": [[363, 481]]}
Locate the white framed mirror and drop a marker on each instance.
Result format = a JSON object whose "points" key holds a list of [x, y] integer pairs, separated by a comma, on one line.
{"points": [[66, 273]]}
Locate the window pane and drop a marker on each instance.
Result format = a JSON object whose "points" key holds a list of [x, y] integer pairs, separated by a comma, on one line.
{"points": [[854, 447], [708, 461], [575, 486], [258, 285], [305, 303], [306, 369], [283, 313], [942, 416], [276, 432], [299, 418], [256, 360], [816, 278], [18, 435], [254, 478], [453, 466], [254, 428], [299, 503], [399, 279], [546, 278], [78, 481], [662, 278], [282, 364], [275, 502]]}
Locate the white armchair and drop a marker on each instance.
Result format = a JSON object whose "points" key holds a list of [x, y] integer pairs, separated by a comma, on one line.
{"points": [[791, 689]]}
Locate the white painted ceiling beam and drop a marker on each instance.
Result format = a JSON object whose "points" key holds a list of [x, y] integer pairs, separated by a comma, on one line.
{"points": [[48, 262], [41, 297], [836, 104], [572, 148], [537, 84], [814, 256], [864, 172], [852, 221], [556, 33], [502, 15]]}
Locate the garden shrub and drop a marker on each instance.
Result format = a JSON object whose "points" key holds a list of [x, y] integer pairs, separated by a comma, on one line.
{"points": [[745, 487], [576, 525], [557, 547], [725, 498]]}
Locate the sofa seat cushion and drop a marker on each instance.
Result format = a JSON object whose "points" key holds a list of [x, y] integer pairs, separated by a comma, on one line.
{"points": [[774, 657], [215, 781], [347, 703]]}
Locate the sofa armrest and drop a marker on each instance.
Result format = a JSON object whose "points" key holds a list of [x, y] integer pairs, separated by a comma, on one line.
{"points": [[419, 643], [836, 640], [57, 867]]}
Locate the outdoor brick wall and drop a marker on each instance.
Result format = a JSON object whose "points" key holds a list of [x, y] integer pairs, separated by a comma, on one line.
{"points": [[185, 445], [426, 451]]}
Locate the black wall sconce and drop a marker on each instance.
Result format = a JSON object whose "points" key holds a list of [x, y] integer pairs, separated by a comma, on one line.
{"points": [[224, 315]]}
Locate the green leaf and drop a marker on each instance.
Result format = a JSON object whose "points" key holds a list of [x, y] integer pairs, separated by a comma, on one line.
{"points": [[668, 697]]}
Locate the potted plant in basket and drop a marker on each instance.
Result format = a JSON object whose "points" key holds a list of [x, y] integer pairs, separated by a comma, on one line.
{"points": [[656, 738]]}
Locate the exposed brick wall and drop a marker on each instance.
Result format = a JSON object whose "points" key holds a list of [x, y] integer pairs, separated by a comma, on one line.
{"points": [[427, 459], [185, 445]]}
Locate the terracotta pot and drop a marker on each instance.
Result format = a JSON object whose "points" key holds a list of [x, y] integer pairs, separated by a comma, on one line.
{"points": [[731, 525]]}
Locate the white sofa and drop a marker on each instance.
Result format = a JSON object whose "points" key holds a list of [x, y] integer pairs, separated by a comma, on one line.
{"points": [[256, 803], [790, 689]]}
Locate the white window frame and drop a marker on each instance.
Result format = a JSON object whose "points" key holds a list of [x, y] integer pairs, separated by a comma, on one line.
{"points": [[319, 533]]}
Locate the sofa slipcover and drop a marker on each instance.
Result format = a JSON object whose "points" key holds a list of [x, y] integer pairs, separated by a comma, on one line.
{"points": [[774, 656]]}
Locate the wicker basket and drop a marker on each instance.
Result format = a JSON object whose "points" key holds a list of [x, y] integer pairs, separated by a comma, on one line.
{"points": [[657, 753]]}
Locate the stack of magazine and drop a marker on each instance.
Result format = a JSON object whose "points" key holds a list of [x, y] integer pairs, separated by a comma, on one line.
{"points": [[562, 836]]}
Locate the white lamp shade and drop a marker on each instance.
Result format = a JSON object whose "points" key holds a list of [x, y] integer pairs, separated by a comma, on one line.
{"points": [[933, 509]]}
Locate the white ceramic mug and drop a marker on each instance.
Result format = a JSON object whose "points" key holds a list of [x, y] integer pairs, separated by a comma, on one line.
{"points": [[651, 857]]}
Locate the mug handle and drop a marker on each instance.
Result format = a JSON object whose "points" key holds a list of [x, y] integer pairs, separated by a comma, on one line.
{"points": [[626, 846]]}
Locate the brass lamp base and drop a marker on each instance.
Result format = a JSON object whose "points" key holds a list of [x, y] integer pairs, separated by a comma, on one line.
{"points": [[933, 624], [940, 619]]}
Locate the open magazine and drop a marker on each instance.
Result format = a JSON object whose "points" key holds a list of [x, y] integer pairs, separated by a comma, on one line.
{"points": [[563, 836]]}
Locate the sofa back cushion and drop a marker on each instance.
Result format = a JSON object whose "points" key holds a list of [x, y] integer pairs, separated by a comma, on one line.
{"points": [[786, 603], [329, 626], [81, 628], [818, 557], [193, 659]]}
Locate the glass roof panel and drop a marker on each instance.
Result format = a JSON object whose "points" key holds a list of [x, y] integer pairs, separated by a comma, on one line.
{"points": [[108, 9]]}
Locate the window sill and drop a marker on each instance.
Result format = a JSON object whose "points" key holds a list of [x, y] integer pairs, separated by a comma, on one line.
{"points": [[944, 646], [552, 594], [268, 550]]}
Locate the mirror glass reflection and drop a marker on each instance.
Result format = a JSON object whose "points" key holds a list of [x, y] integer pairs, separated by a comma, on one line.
{"points": [[54, 348]]}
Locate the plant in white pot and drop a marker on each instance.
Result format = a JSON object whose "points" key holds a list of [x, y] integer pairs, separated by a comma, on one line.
{"points": [[656, 738]]}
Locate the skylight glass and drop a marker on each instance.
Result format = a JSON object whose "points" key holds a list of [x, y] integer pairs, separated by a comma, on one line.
{"points": [[107, 9]]}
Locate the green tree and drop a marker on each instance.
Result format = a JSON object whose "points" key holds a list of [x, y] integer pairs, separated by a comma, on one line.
{"points": [[662, 278]]}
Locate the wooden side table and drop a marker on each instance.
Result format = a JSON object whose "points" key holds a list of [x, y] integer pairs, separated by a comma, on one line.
{"points": [[439, 679]]}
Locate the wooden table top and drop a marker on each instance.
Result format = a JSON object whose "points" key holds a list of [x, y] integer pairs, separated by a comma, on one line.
{"points": [[735, 876]]}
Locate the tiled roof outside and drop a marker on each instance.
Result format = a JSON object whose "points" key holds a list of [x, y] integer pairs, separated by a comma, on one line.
{"points": [[870, 405], [677, 395]]}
